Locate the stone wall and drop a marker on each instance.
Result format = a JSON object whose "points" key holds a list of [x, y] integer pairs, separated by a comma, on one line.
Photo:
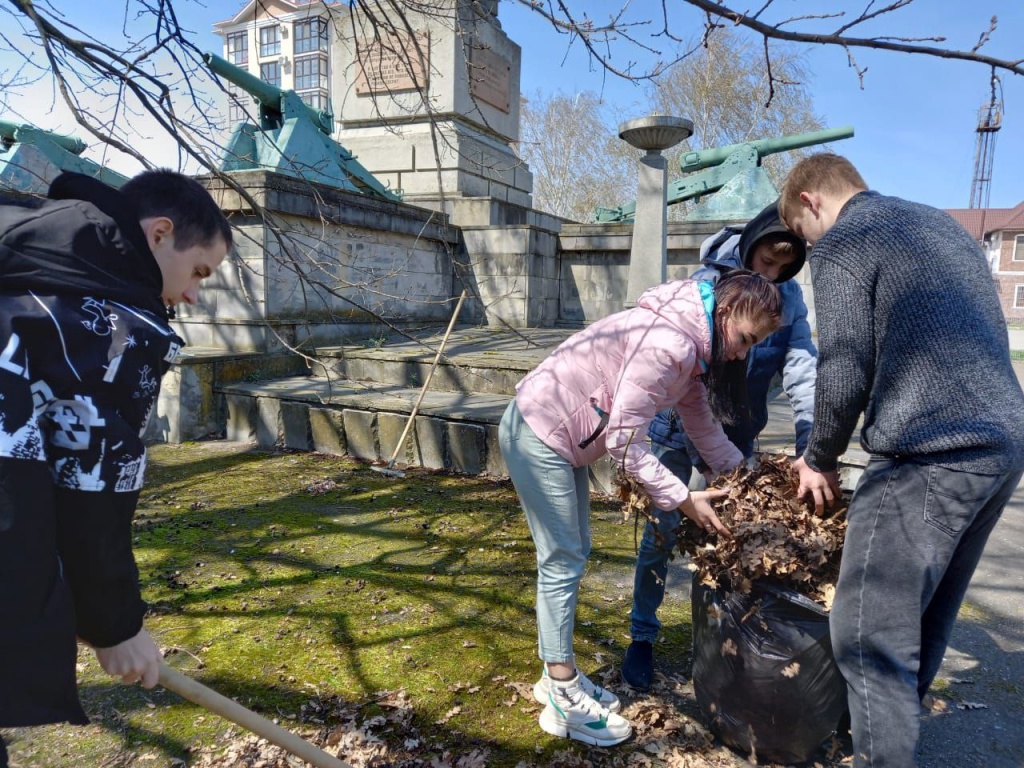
{"points": [[594, 266], [357, 257]]}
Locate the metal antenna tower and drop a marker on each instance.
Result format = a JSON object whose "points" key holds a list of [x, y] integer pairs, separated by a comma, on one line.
{"points": [[990, 120]]}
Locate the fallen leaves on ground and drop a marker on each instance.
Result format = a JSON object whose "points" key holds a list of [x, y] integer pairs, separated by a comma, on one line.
{"points": [[383, 732]]}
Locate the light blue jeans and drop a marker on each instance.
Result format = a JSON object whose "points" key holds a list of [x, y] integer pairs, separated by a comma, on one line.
{"points": [[652, 559], [555, 496]]}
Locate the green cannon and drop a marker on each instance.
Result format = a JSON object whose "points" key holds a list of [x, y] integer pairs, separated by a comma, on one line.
{"points": [[11, 133], [731, 178], [274, 107], [292, 138], [30, 158]]}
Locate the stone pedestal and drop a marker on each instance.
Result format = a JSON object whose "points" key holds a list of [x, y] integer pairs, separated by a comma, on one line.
{"points": [[647, 261], [433, 109]]}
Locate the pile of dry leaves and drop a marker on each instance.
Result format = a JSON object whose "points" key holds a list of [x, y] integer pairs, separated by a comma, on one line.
{"points": [[775, 535]]}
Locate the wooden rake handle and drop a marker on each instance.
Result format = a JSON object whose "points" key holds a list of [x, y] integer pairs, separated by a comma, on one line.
{"points": [[229, 709], [426, 382]]}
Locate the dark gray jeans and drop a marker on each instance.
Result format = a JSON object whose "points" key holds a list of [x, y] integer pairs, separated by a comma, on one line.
{"points": [[916, 533]]}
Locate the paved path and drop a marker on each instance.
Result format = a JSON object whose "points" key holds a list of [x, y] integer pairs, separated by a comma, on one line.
{"points": [[987, 653]]}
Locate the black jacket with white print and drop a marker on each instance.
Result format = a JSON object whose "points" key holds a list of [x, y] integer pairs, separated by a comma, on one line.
{"points": [[84, 342]]}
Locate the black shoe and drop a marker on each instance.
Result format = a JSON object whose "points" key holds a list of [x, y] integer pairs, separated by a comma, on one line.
{"points": [[638, 665]]}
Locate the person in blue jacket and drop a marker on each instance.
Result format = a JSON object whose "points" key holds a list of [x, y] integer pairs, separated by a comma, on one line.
{"points": [[765, 246]]}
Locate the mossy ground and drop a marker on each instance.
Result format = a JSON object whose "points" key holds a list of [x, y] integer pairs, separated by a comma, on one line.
{"points": [[273, 594]]}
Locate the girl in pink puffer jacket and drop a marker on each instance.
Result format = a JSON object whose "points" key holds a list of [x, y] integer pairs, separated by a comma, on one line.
{"points": [[684, 346]]}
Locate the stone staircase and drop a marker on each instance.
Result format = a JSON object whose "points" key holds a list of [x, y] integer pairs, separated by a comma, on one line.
{"points": [[358, 401]]}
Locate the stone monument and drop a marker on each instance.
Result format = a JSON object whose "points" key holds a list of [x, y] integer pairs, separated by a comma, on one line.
{"points": [[432, 105]]}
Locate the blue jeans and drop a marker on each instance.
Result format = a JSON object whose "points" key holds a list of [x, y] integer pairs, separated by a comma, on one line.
{"points": [[916, 533], [556, 499], [652, 560]]}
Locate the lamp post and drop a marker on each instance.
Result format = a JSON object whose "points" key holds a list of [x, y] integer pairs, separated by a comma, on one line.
{"points": [[648, 262]]}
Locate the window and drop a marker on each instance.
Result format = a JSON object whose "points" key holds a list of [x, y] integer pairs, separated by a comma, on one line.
{"points": [[270, 41], [311, 73], [1018, 248], [316, 99], [310, 36], [271, 73], [1018, 297], [238, 48], [236, 105]]}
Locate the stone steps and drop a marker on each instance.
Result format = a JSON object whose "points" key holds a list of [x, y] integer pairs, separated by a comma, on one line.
{"points": [[456, 427], [475, 360], [453, 431]]}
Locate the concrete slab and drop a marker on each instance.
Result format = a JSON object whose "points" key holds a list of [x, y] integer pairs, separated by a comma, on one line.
{"points": [[361, 433], [268, 421], [295, 431], [390, 427], [327, 431], [242, 420], [428, 450], [467, 448]]}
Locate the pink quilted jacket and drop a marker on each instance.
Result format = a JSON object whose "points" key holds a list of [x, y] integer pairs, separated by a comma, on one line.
{"points": [[622, 370]]}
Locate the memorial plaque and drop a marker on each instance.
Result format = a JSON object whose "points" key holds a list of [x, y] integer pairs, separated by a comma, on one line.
{"points": [[489, 77], [393, 63]]}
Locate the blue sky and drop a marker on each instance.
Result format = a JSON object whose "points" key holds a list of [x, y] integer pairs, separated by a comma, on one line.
{"points": [[915, 117]]}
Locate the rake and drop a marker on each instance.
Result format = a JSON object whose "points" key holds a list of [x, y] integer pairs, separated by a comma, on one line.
{"points": [[210, 700], [389, 468]]}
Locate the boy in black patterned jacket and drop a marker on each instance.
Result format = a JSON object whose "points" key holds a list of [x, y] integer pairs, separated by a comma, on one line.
{"points": [[88, 281]]}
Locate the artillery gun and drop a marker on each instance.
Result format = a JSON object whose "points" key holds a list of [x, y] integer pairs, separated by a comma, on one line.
{"points": [[292, 138], [31, 158], [730, 177]]}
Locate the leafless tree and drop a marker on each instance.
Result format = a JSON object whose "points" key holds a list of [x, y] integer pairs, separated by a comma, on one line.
{"points": [[634, 32], [151, 77], [577, 162], [724, 89]]}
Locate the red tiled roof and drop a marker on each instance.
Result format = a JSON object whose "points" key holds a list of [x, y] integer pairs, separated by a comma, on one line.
{"points": [[980, 221], [1015, 219], [971, 219]]}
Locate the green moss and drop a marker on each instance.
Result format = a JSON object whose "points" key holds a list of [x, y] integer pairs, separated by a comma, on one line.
{"points": [[273, 595]]}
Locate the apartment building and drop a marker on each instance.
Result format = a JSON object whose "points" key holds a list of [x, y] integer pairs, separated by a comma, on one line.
{"points": [[283, 42]]}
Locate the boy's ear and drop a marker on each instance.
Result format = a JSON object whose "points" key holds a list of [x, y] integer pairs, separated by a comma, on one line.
{"points": [[158, 230], [811, 201]]}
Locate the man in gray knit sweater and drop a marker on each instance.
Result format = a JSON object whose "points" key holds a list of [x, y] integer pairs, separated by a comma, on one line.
{"points": [[911, 335]]}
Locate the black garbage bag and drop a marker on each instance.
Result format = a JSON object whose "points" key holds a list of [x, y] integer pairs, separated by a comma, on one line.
{"points": [[763, 671]]}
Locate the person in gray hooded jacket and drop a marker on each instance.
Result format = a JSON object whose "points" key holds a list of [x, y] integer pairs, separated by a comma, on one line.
{"points": [[764, 246]]}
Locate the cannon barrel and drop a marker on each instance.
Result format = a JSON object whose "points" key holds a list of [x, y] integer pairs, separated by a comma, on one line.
{"points": [[706, 158], [266, 94], [21, 132]]}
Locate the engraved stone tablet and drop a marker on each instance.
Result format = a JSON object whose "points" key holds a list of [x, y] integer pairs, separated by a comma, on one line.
{"points": [[393, 63], [489, 77]]}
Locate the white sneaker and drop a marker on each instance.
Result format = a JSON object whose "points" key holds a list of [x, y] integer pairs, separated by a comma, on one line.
{"points": [[571, 712], [602, 696]]}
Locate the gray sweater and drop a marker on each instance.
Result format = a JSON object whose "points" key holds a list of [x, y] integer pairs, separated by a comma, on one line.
{"points": [[911, 334]]}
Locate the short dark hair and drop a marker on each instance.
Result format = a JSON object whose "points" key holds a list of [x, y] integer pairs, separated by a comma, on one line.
{"points": [[197, 219], [779, 244]]}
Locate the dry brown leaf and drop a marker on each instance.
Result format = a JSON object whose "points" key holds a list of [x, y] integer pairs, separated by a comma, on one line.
{"points": [[775, 535]]}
